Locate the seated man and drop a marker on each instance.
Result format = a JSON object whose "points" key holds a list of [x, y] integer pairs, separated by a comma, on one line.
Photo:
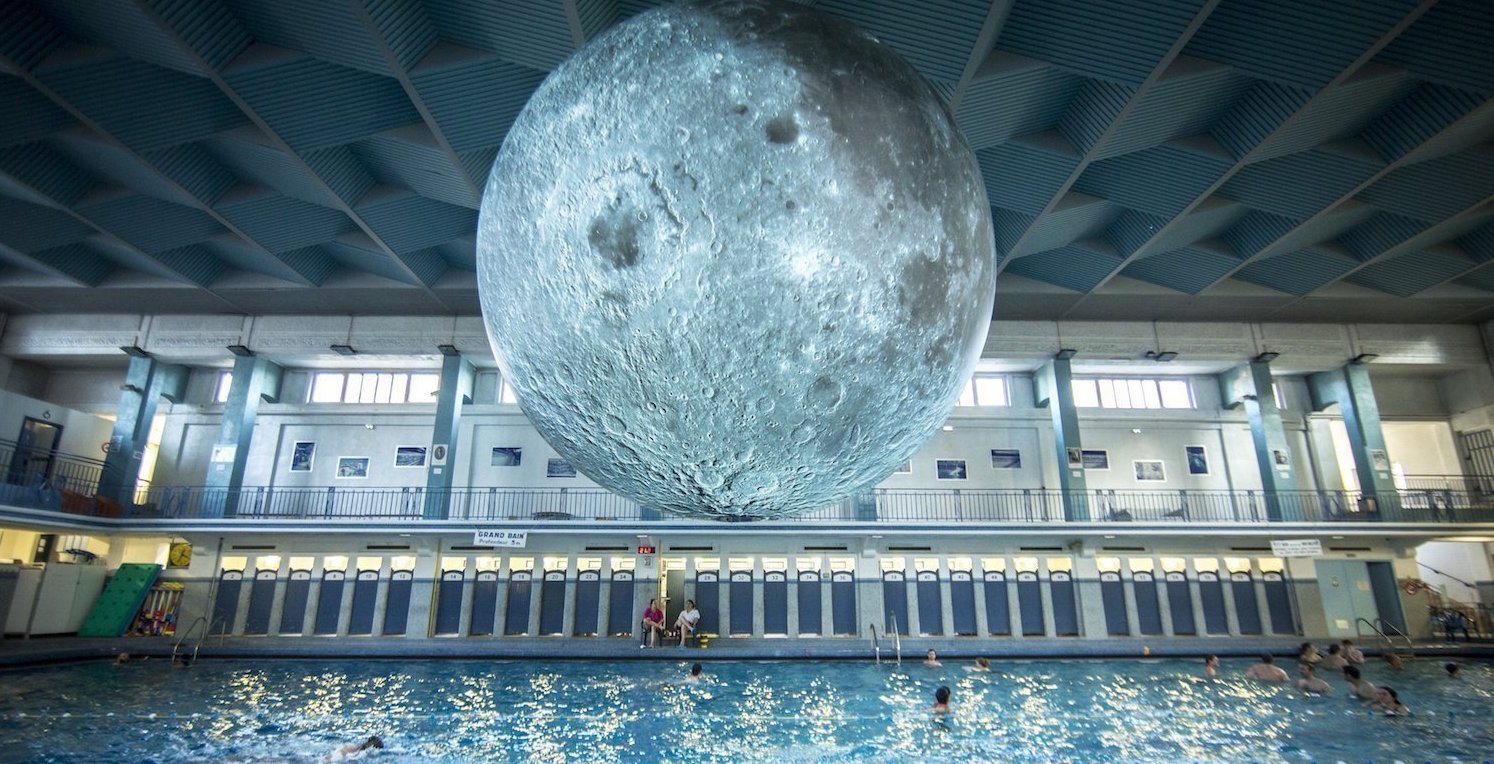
{"points": [[687, 620]]}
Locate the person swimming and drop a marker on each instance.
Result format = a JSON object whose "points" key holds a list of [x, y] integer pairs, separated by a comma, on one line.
{"points": [[1309, 681], [941, 700], [1334, 660], [932, 661], [981, 664], [1453, 670], [1358, 687], [1211, 666], [697, 673], [1267, 671], [354, 751], [1388, 702]]}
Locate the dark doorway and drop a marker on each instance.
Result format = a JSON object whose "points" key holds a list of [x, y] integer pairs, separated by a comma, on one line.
{"points": [[36, 450]]}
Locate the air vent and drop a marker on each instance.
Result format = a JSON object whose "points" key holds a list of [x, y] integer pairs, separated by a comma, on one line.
{"points": [[1348, 549], [1122, 549], [1250, 549], [910, 549], [388, 547], [692, 549], [608, 549], [1040, 549], [253, 547], [470, 548], [824, 549]]}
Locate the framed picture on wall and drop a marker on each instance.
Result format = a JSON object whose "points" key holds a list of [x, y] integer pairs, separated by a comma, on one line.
{"points": [[1379, 459], [507, 456], [1280, 458], [906, 468], [409, 456], [1006, 459], [1150, 471], [1096, 459], [1076, 457], [352, 467], [560, 468], [1198, 460], [303, 454], [950, 469]]}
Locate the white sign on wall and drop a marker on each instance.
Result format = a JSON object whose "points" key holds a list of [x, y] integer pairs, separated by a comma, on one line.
{"points": [[1296, 547], [514, 539]]}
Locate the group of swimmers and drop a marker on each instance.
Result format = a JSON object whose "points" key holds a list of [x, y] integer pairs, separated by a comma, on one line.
{"points": [[1344, 657]]}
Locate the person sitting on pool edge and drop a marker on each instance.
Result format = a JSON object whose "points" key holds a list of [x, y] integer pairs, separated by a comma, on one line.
{"points": [[941, 700], [354, 751], [653, 622], [1267, 671], [1310, 683], [1358, 688], [932, 661], [689, 617]]}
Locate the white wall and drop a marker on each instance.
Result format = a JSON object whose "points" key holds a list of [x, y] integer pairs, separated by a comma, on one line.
{"points": [[1462, 562], [82, 434]]}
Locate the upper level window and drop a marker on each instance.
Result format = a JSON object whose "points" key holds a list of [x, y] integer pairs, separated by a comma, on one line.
{"points": [[506, 393], [225, 383], [1133, 393], [984, 390], [374, 387]]}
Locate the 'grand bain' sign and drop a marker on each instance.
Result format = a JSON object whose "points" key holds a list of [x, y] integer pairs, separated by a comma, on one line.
{"points": [[513, 539]]}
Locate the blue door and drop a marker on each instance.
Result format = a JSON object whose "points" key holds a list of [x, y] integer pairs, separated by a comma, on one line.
{"points": [[620, 619], [1247, 608], [293, 609], [1211, 598], [483, 621], [397, 602], [329, 602], [1030, 604], [226, 604], [449, 602], [1113, 597], [962, 602], [588, 594], [708, 601], [894, 602], [843, 603], [516, 619], [552, 603], [741, 602], [261, 599], [930, 603], [775, 602], [1148, 607], [1180, 603], [365, 596], [1279, 603], [1061, 594], [998, 610], [808, 590]]}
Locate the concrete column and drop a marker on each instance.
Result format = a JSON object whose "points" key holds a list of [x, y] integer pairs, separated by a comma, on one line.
{"points": [[1052, 389], [254, 380], [146, 382], [423, 590], [1087, 598], [1250, 386], [456, 389], [572, 579], [1350, 388]]}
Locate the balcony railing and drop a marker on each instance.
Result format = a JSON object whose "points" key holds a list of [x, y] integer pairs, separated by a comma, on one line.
{"points": [[946, 506]]}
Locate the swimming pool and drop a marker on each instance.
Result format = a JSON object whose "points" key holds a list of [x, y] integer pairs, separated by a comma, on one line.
{"points": [[429, 710]]}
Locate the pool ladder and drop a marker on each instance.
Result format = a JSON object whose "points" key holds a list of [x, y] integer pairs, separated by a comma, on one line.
{"points": [[897, 641], [1380, 626], [187, 634]]}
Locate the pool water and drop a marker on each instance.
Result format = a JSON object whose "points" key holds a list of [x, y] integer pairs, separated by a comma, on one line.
{"points": [[559, 711]]}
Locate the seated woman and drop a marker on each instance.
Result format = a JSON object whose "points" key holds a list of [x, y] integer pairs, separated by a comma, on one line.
{"points": [[653, 623]]}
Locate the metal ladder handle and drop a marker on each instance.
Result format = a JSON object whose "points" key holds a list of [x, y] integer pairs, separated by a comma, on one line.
{"points": [[187, 634], [897, 637], [876, 643], [1395, 630]]}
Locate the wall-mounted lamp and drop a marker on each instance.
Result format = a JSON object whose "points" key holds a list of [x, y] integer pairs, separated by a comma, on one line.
{"points": [[1364, 358], [448, 350], [368, 427], [1267, 356], [134, 351], [129, 388], [947, 428], [1163, 356], [241, 351], [1065, 354], [344, 350]]}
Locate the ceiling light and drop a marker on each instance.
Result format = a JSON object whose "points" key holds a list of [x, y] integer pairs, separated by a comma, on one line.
{"points": [[1267, 356], [947, 428], [1364, 358], [1065, 354], [241, 351], [448, 350], [344, 350], [134, 351]]}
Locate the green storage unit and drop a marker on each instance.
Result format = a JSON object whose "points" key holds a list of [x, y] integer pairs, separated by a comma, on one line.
{"points": [[120, 601]]}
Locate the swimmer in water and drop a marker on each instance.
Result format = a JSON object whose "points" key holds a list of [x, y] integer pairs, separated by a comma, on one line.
{"points": [[1358, 687], [1267, 671], [1310, 683], [1388, 703], [354, 751], [1453, 670], [1394, 662], [696, 673], [933, 660], [981, 664], [1211, 666], [1334, 660], [941, 701]]}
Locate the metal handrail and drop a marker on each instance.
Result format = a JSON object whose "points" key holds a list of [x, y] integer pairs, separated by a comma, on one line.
{"points": [[187, 633], [897, 637], [1377, 630], [876, 644], [1385, 626]]}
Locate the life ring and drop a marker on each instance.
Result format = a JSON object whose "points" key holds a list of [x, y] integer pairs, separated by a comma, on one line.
{"points": [[1413, 586]]}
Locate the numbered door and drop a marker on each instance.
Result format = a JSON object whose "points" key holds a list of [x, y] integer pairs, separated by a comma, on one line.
{"points": [[930, 603], [552, 603], [329, 603], [1030, 604], [843, 603], [397, 603], [1148, 608], [293, 608], [449, 593], [516, 619], [807, 590], [1247, 608], [998, 610], [1279, 603], [1211, 598], [620, 620], [588, 597], [708, 601], [261, 600], [1180, 603], [365, 600], [226, 604], [775, 602], [1113, 597], [1061, 593], [894, 602], [741, 603], [483, 620], [962, 602]]}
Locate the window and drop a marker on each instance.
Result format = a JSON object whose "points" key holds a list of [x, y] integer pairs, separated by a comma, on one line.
{"points": [[225, 383], [506, 393], [1277, 396], [1133, 393], [984, 390], [373, 387]]}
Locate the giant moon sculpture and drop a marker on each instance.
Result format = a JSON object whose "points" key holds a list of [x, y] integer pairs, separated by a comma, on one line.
{"points": [[736, 260]]}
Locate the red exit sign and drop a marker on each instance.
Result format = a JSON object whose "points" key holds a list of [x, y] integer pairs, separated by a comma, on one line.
{"points": [[645, 549]]}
